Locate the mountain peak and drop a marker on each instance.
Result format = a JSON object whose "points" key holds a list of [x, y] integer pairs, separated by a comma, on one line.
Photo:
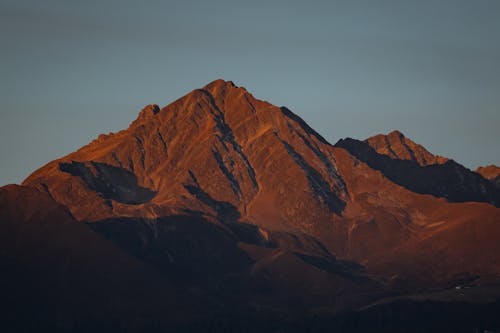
{"points": [[149, 110], [219, 83], [397, 146], [490, 172], [396, 134], [221, 87]]}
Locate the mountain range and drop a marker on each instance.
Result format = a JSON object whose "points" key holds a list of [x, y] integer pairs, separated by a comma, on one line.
{"points": [[223, 212]]}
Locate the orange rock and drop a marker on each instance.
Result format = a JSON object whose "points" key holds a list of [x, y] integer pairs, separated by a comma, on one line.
{"points": [[491, 172], [397, 146]]}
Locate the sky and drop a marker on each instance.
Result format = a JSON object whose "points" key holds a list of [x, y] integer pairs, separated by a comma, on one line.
{"points": [[70, 70]]}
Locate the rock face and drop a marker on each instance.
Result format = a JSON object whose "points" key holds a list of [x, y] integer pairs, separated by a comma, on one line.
{"points": [[397, 146], [244, 203], [490, 172]]}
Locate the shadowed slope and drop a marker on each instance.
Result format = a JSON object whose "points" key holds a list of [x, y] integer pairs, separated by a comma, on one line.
{"points": [[240, 264], [449, 180], [110, 182], [53, 280], [59, 274]]}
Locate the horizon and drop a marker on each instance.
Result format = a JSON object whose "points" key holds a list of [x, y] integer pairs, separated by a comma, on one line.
{"points": [[74, 71]]}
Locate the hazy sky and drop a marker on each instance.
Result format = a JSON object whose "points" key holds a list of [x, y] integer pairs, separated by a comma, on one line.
{"points": [[70, 70]]}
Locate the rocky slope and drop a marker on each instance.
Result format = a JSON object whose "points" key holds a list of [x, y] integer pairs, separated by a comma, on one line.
{"points": [[59, 274]]}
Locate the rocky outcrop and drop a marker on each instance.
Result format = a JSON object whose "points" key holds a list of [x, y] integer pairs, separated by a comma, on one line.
{"points": [[397, 146], [490, 172]]}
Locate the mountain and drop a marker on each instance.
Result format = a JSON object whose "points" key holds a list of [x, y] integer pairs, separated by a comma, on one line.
{"points": [[240, 205], [397, 146], [222, 154], [420, 171], [490, 172], [216, 151]]}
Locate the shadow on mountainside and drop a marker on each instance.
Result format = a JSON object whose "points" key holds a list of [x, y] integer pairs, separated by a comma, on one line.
{"points": [[239, 263], [111, 182], [449, 180]]}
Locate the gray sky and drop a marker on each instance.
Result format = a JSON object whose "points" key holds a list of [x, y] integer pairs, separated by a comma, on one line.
{"points": [[70, 70]]}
